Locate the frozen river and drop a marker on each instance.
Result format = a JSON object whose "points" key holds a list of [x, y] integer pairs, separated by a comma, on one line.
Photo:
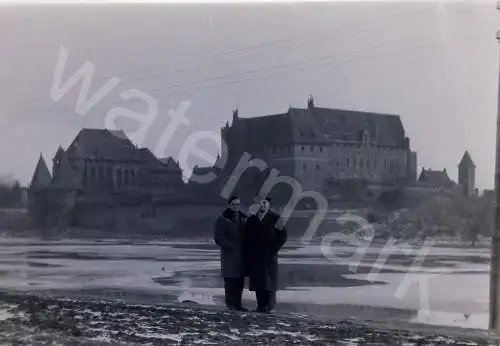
{"points": [[450, 286]]}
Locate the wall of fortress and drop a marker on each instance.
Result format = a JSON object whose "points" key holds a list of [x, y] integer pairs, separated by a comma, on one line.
{"points": [[312, 164], [175, 221]]}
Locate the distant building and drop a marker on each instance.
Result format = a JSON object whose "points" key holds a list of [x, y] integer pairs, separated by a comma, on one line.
{"points": [[100, 166], [467, 175], [436, 180], [318, 145]]}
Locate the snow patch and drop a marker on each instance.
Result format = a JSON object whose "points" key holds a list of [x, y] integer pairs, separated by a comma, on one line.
{"points": [[174, 337], [202, 298]]}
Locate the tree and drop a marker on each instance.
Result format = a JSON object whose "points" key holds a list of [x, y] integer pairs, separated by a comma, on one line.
{"points": [[441, 215], [476, 217]]}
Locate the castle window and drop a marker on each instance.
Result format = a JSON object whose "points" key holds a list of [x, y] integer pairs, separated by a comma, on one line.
{"points": [[93, 174], [303, 148], [317, 167], [101, 175], [304, 166], [320, 149], [119, 177], [312, 149], [361, 163], [126, 177], [109, 175]]}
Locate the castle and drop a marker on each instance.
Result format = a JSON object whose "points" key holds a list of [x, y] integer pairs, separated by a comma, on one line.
{"points": [[320, 147], [101, 169], [103, 180], [440, 181]]}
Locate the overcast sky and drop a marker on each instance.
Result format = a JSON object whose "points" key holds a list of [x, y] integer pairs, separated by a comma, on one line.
{"points": [[434, 63]]}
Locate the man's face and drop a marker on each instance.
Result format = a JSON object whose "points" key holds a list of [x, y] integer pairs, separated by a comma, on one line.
{"points": [[235, 205], [263, 206]]}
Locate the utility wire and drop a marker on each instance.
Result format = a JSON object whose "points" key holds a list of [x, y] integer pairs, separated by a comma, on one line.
{"points": [[348, 59], [274, 44]]}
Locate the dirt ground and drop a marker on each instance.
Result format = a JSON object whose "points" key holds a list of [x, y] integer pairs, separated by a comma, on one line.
{"points": [[31, 320]]}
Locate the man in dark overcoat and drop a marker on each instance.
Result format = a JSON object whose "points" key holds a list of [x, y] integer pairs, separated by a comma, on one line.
{"points": [[264, 236], [229, 236]]}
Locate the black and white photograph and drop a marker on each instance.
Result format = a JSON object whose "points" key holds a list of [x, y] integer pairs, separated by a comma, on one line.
{"points": [[250, 172]]}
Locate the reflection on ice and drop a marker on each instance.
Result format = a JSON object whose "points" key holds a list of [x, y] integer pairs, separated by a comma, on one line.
{"points": [[191, 272]]}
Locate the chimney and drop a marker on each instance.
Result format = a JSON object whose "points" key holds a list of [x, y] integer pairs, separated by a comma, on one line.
{"points": [[310, 102]]}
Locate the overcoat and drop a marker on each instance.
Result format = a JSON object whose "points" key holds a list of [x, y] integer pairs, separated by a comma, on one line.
{"points": [[261, 244], [229, 236]]}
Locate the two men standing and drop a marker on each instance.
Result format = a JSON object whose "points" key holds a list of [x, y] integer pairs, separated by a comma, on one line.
{"points": [[249, 247]]}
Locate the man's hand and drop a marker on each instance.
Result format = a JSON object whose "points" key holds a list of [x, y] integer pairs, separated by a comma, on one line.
{"points": [[279, 224]]}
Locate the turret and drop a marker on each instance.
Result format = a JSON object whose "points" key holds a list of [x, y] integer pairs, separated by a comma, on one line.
{"points": [[235, 115], [310, 102], [467, 174], [57, 159], [41, 177]]}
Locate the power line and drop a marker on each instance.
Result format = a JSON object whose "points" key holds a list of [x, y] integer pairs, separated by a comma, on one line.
{"points": [[348, 60], [274, 44], [292, 44], [327, 64]]}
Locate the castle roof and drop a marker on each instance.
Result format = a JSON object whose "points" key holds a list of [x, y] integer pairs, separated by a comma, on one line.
{"points": [[65, 177], [317, 125], [170, 163], [435, 178], [59, 153], [41, 177], [466, 161], [102, 143]]}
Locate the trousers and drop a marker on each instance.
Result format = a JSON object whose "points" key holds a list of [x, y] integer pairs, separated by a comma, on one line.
{"points": [[266, 300], [233, 288]]}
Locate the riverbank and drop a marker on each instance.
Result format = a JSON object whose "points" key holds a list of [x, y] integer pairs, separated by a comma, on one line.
{"points": [[34, 320]]}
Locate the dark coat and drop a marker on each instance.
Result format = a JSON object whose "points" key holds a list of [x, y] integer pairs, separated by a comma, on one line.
{"points": [[229, 236], [262, 242]]}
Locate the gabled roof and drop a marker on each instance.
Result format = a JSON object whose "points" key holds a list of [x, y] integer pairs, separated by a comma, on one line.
{"points": [[65, 177], [170, 163], [102, 143], [41, 177], [435, 178], [466, 161], [323, 125]]}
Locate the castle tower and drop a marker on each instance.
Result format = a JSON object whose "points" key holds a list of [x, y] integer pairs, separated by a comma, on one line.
{"points": [[57, 159], [37, 193], [310, 102], [467, 175], [235, 115], [41, 177], [62, 193]]}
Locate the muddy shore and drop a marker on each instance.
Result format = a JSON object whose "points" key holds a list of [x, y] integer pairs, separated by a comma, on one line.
{"points": [[35, 320]]}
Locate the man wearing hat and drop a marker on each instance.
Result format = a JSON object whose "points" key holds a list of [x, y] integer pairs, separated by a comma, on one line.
{"points": [[264, 236]]}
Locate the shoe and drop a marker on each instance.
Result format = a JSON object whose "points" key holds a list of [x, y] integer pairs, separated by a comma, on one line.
{"points": [[241, 308]]}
